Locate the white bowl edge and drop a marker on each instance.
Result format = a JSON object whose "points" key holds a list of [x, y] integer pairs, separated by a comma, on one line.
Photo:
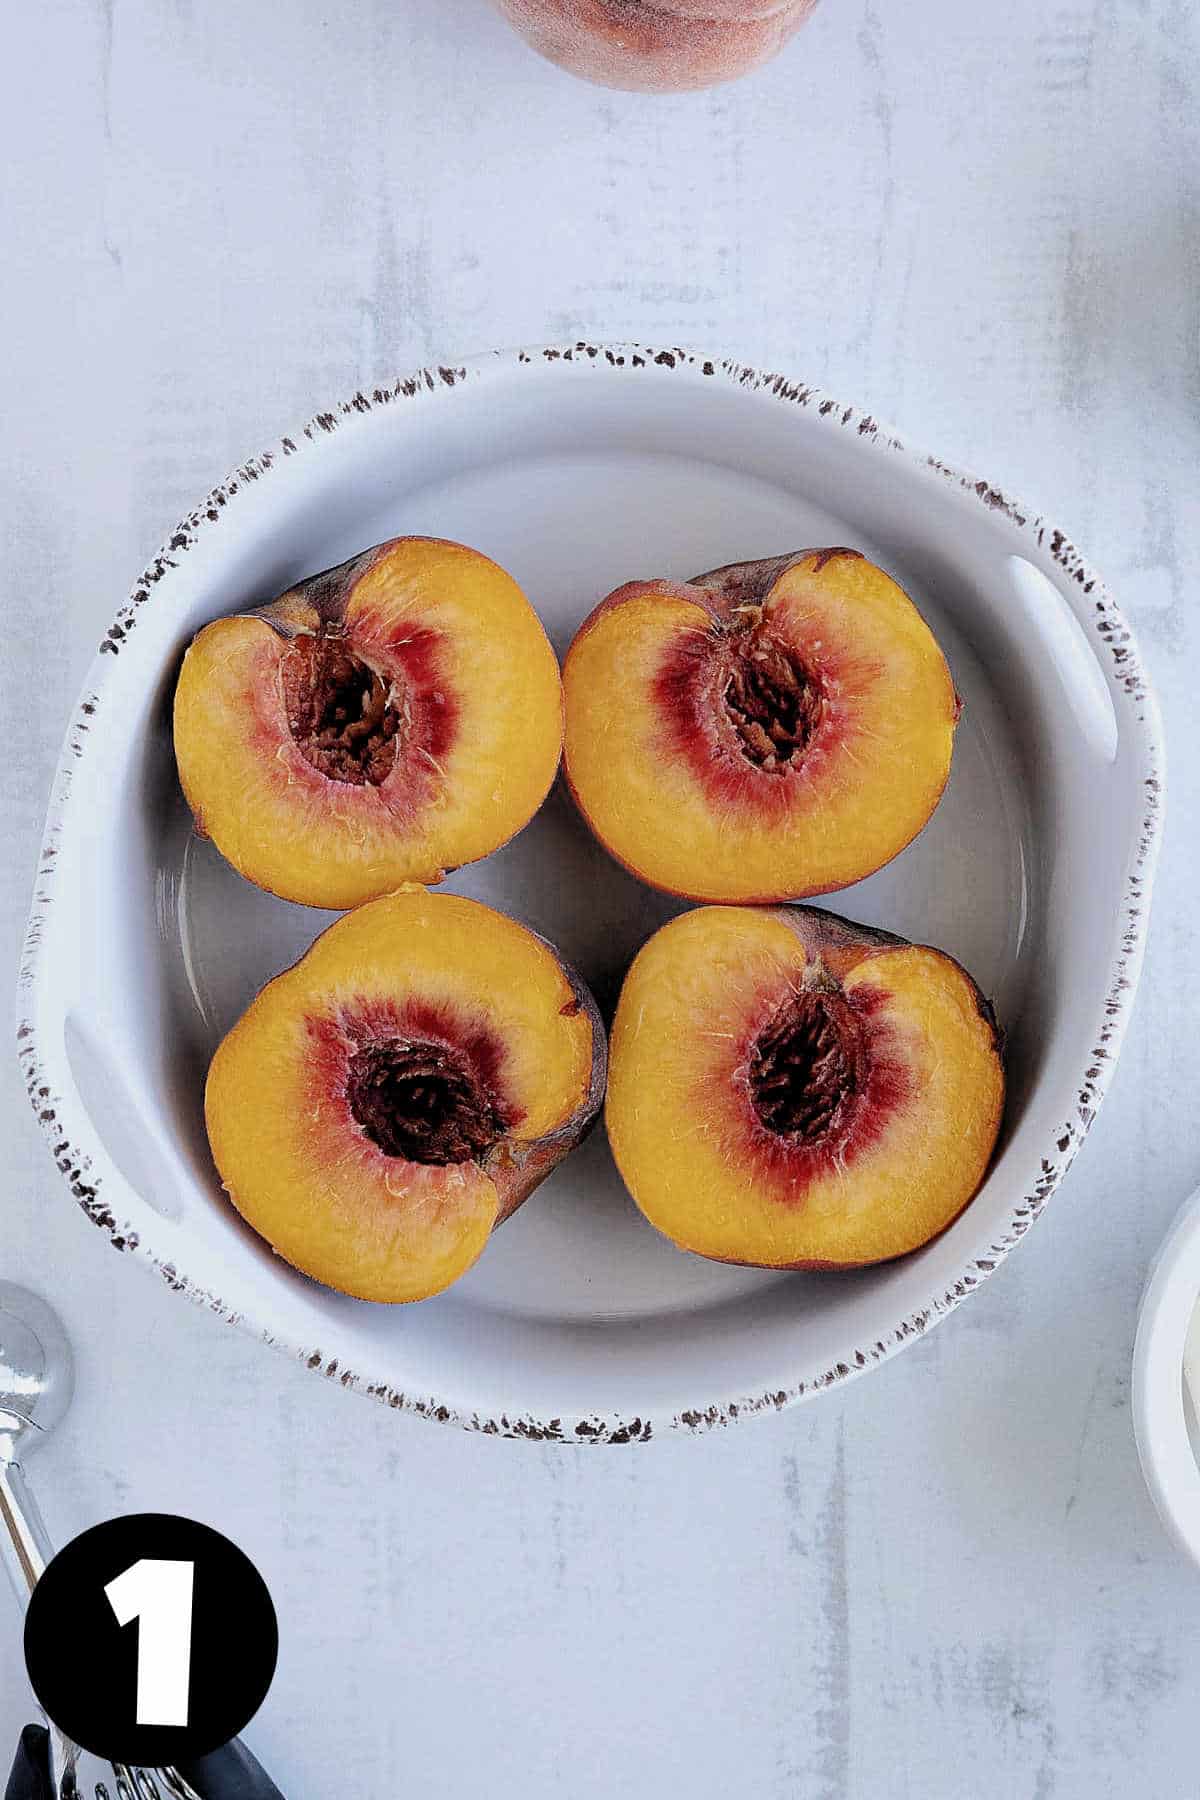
{"points": [[1168, 1458]]}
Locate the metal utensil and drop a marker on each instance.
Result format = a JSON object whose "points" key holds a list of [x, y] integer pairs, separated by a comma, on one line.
{"points": [[36, 1383], [30, 1777]]}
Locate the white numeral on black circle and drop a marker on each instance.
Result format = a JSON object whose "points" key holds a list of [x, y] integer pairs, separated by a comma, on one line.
{"points": [[159, 1596]]}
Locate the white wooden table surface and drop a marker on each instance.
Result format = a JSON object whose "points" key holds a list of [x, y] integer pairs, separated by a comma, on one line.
{"points": [[982, 222]]}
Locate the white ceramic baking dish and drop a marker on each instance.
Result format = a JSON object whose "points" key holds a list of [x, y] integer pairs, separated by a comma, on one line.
{"points": [[578, 468]]}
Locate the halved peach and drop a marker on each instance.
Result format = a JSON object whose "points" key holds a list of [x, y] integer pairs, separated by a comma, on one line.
{"points": [[790, 1090], [768, 731], [385, 1103], [380, 723]]}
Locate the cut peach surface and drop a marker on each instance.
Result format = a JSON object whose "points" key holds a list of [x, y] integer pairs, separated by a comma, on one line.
{"points": [[381, 723], [657, 45], [390, 1099], [766, 732], [789, 1090]]}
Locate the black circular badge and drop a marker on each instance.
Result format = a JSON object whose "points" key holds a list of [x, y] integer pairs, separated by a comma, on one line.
{"points": [[151, 1640]]}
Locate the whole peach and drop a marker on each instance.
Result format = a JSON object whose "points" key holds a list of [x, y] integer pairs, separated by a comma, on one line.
{"points": [[737, 10], [664, 47]]}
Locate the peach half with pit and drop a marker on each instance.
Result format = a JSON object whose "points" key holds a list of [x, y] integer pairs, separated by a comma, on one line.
{"points": [[394, 1096], [380, 723], [765, 732], [792, 1091]]}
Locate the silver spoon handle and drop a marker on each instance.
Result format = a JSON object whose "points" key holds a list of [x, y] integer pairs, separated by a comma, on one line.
{"points": [[24, 1543], [26, 1549]]}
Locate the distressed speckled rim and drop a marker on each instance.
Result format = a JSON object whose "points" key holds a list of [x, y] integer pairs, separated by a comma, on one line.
{"points": [[100, 1191]]}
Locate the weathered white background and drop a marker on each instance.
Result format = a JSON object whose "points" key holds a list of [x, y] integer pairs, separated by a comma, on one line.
{"points": [[982, 222]]}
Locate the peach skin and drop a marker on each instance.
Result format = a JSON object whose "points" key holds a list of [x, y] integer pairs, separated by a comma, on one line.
{"points": [[664, 47]]}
